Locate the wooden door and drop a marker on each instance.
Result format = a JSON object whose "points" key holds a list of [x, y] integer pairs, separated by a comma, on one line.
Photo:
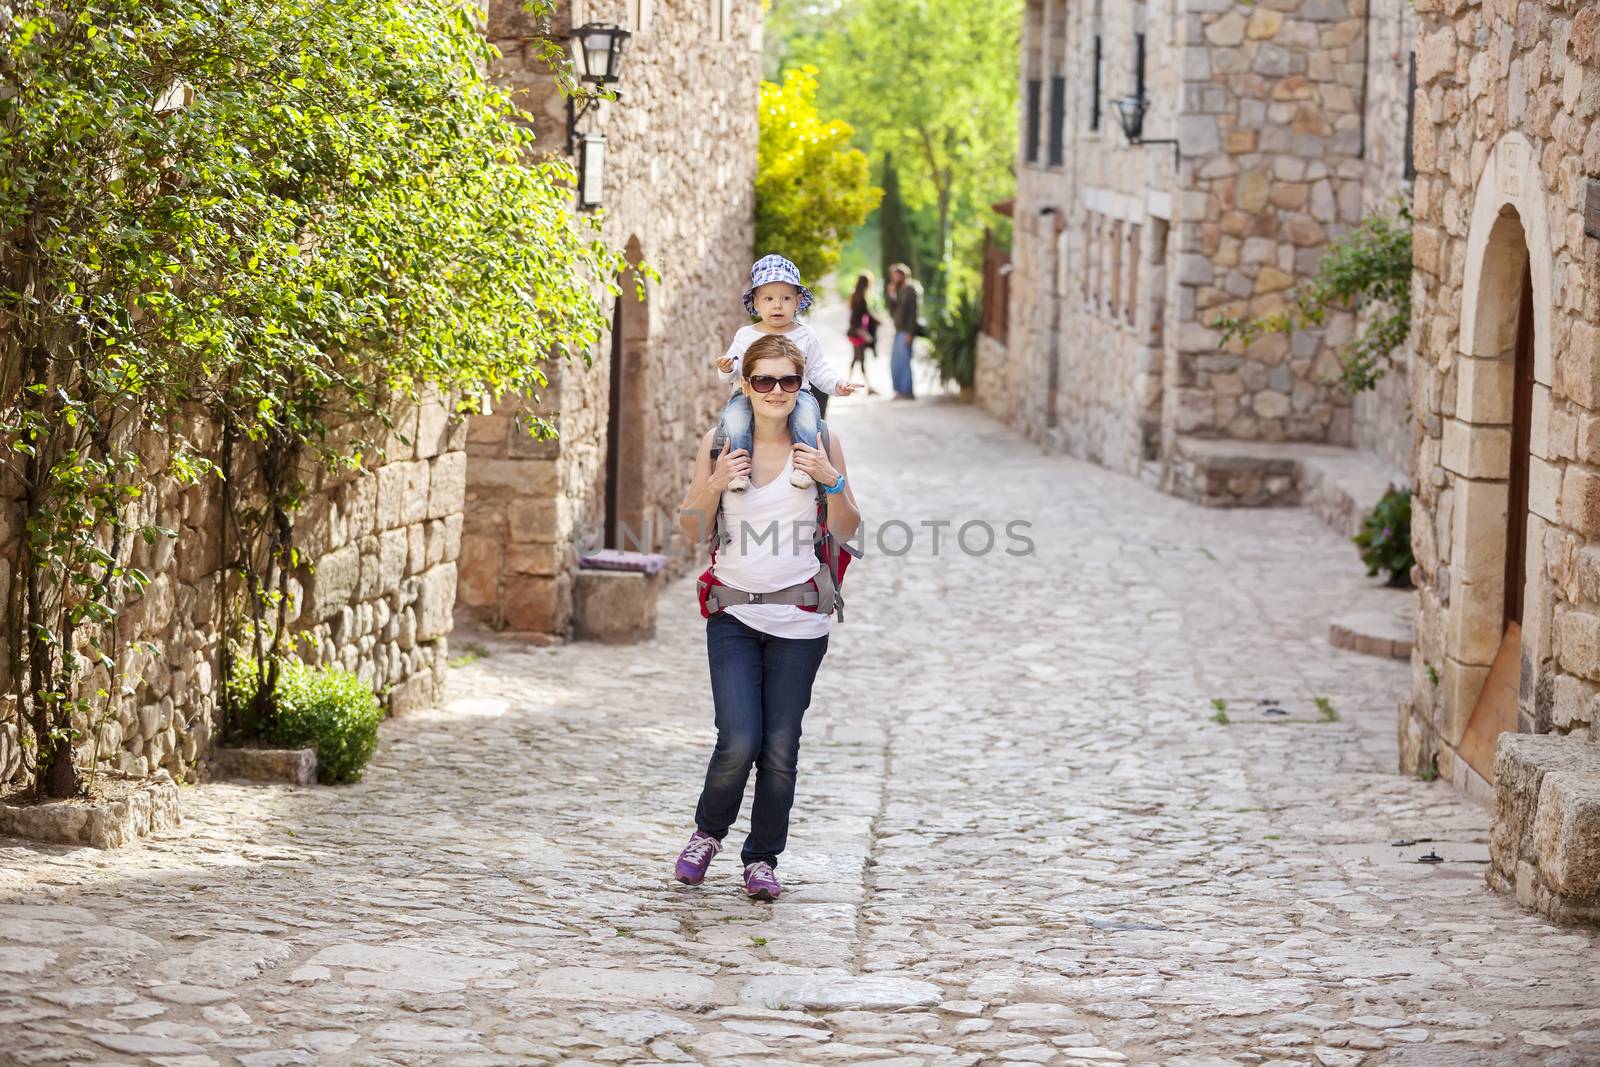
{"points": [[1521, 421], [614, 447]]}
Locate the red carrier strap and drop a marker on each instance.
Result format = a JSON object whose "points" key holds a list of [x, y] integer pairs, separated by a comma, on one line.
{"points": [[819, 593]]}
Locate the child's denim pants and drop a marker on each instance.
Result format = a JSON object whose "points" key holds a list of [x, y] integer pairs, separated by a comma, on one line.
{"points": [[805, 422]]}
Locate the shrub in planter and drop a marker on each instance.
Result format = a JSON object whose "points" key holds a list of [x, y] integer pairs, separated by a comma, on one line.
{"points": [[324, 708], [1385, 537]]}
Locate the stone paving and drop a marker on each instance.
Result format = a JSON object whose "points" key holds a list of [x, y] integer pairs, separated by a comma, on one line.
{"points": [[1021, 836]]}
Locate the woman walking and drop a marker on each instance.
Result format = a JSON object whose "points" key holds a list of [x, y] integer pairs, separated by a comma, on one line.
{"points": [[764, 656], [863, 331]]}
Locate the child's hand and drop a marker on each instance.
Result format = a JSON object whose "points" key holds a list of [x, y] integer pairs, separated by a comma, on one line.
{"points": [[845, 388], [815, 462], [730, 465], [725, 364]]}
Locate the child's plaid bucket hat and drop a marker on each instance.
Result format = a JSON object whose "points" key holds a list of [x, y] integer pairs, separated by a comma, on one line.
{"points": [[774, 269]]}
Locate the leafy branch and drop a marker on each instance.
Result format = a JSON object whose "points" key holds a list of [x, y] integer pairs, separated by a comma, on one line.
{"points": [[234, 238], [1368, 268]]}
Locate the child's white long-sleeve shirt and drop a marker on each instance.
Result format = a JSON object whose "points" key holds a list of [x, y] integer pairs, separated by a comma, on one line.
{"points": [[819, 372]]}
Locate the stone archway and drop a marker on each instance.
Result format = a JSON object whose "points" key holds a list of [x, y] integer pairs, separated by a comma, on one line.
{"points": [[1485, 450]]}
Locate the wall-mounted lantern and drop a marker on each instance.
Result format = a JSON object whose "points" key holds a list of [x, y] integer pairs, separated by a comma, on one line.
{"points": [[597, 61], [591, 171], [1132, 108]]}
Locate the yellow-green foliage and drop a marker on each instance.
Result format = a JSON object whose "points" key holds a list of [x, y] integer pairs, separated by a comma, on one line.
{"points": [[812, 188]]}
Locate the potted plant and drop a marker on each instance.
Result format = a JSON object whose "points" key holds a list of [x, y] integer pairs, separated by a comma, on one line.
{"points": [[955, 343], [1385, 538]]}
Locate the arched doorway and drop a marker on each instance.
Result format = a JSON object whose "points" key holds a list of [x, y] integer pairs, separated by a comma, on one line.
{"points": [[1498, 611]]}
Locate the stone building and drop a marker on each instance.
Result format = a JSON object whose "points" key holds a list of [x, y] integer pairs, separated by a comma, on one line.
{"points": [[1506, 388], [1289, 121], [680, 162]]}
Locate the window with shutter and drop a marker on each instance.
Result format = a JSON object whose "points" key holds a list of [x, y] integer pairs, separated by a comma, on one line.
{"points": [[1058, 120], [1033, 121]]}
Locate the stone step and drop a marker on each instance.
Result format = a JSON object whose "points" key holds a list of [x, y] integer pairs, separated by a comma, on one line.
{"points": [[1340, 485], [1377, 630]]}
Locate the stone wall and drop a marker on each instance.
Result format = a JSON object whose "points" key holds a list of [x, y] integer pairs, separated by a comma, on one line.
{"points": [[375, 597], [680, 175], [1508, 130], [1272, 135]]}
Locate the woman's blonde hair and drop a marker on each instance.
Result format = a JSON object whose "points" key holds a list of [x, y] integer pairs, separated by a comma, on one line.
{"points": [[772, 347]]}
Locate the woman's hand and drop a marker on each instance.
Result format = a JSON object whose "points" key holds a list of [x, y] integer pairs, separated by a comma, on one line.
{"points": [[815, 462], [730, 465]]}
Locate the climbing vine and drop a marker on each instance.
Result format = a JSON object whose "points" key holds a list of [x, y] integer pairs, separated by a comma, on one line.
{"points": [[234, 236], [1367, 269]]}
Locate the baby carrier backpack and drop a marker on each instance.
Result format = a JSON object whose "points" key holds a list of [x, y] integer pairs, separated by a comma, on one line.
{"points": [[819, 593]]}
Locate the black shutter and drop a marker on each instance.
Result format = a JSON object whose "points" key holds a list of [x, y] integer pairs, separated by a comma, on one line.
{"points": [[1034, 88], [1058, 119], [1094, 98], [1411, 118]]}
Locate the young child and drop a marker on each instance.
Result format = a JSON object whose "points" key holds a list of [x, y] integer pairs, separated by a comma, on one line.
{"points": [[776, 296]]}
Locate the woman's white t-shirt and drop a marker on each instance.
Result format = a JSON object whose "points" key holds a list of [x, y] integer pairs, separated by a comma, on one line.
{"points": [[773, 527]]}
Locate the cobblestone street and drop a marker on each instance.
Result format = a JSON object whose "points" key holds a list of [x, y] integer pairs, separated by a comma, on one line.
{"points": [[1020, 835]]}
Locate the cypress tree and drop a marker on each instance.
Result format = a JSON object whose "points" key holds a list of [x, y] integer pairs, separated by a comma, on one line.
{"points": [[894, 234]]}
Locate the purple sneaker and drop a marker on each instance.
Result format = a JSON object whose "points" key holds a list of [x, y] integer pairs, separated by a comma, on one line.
{"points": [[695, 858], [761, 882]]}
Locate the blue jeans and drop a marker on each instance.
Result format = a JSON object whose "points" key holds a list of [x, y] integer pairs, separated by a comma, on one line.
{"points": [[805, 421], [900, 364], [761, 687]]}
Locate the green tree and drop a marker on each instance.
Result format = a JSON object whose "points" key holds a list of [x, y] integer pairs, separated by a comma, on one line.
{"points": [[812, 188], [277, 217], [934, 83], [790, 30]]}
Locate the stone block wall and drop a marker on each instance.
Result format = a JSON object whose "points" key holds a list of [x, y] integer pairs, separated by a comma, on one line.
{"points": [[375, 597], [1544, 846], [1272, 132], [379, 598], [1507, 139], [679, 195]]}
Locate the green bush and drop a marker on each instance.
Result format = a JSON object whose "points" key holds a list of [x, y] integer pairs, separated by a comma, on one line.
{"points": [[812, 188], [955, 341], [324, 708], [1385, 537]]}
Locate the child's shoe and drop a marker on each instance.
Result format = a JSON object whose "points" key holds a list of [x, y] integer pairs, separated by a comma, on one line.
{"points": [[739, 484], [800, 479]]}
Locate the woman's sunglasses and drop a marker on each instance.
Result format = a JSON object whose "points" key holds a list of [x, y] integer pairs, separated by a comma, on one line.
{"points": [[763, 383]]}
